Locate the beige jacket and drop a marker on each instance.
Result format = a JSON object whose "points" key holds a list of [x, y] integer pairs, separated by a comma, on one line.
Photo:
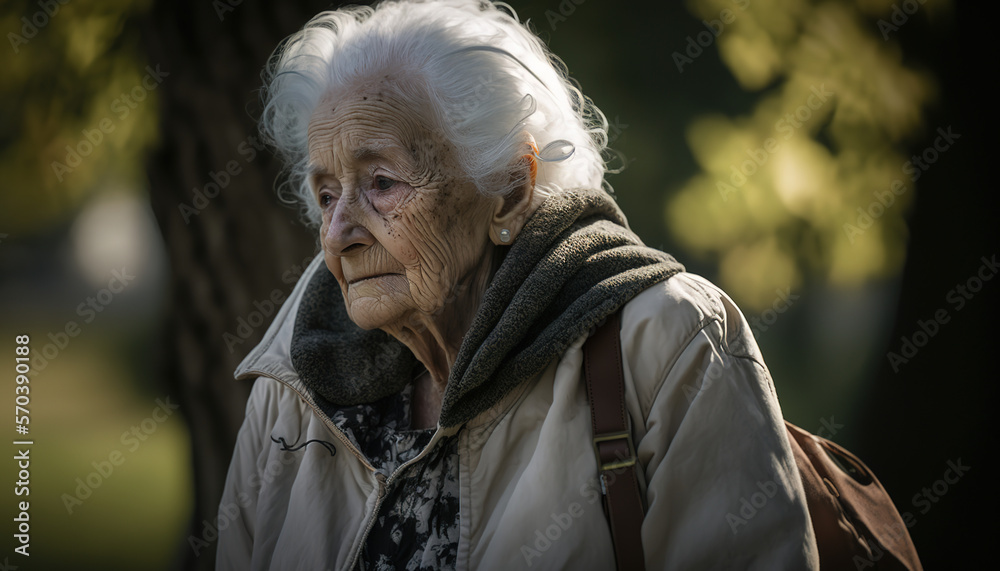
{"points": [[719, 482]]}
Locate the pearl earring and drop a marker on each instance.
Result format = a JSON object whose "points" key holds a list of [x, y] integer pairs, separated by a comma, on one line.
{"points": [[504, 235]]}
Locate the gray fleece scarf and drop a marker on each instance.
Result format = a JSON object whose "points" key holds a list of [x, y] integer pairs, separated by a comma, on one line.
{"points": [[574, 263]]}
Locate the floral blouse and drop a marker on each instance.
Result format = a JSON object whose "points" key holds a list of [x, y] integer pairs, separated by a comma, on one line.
{"points": [[417, 524]]}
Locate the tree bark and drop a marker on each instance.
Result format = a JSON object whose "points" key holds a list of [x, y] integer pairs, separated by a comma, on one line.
{"points": [[233, 246]]}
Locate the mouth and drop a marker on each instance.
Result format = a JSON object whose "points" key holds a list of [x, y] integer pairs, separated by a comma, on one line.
{"points": [[371, 277]]}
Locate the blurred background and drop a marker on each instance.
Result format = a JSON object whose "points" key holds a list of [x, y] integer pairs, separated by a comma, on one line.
{"points": [[824, 161]]}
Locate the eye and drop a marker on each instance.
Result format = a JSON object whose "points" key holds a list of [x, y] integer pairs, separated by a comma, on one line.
{"points": [[383, 183], [326, 198]]}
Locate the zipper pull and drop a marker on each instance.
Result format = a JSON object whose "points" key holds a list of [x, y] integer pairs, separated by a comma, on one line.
{"points": [[380, 477]]}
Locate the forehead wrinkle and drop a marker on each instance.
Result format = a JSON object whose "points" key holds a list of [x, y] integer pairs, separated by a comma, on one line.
{"points": [[321, 127], [359, 138], [369, 126], [376, 108]]}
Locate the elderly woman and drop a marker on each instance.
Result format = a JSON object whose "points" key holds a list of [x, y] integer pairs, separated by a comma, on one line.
{"points": [[419, 400]]}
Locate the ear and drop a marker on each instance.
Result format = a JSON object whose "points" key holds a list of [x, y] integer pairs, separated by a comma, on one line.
{"points": [[513, 210]]}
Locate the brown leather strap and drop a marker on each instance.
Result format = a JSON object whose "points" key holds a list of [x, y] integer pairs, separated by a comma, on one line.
{"points": [[602, 365]]}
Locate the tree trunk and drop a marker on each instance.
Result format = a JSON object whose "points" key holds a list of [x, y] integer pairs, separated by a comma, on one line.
{"points": [[233, 247]]}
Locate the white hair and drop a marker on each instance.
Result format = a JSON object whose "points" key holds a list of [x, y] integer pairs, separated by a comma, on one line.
{"points": [[488, 79]]}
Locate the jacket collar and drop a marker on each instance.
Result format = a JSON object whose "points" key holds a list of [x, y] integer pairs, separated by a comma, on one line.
{"points": [[574, 263], [272, 356]]}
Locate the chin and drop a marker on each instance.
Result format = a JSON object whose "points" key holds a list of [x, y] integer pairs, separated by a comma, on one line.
{"points": [[366, 324], [366, 317], [374, 310]]}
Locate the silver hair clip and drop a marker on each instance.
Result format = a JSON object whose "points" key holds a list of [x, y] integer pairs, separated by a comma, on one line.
{"points": [[558, 150]]}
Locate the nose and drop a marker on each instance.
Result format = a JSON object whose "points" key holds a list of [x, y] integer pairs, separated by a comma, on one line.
{"points": [[345, 234]]}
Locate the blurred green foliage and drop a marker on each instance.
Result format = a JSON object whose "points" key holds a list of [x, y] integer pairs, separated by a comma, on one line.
{"points": [[66, 75], [780, 188], [76, 119]]}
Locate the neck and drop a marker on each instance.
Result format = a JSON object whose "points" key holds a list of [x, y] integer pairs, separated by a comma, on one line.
{"points": [[435, 338]]}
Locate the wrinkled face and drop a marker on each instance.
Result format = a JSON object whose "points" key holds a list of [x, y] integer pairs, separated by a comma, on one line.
{"points": [[402, 225]]}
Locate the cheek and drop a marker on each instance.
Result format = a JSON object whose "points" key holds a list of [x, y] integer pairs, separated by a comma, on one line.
{"points": [[405, 230], [467, 222], [390, 202], [394, 248], [449, 239], [418, 231], [404, 252]]}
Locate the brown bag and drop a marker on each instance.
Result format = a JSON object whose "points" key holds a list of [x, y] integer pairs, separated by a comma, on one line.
{"points": [[856, 524]]}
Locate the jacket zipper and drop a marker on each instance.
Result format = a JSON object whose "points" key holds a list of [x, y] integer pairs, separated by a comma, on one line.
{"points": [[380, 478], [383, 485]]}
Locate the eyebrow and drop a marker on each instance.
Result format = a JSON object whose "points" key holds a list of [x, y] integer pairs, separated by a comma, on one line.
{"points": [[368, 153], [314, 171]]}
